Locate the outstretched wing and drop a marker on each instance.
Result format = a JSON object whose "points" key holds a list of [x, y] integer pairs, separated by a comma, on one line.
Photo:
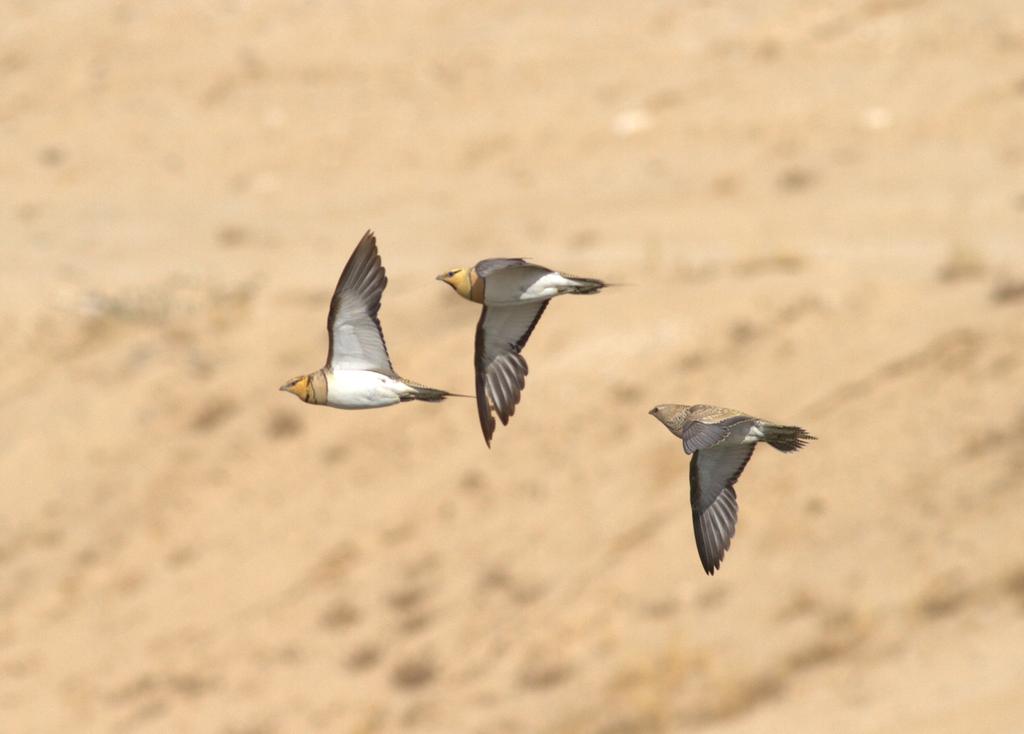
{"points": [[356, 341], [713, 474], [501, 334]]}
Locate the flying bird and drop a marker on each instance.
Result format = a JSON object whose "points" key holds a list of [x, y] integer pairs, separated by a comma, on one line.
{"points": [[722, 442], [514, 294], [358, 373]]}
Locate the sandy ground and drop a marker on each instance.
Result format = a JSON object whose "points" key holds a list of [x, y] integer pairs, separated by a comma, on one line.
{"points": [[817, 212]]}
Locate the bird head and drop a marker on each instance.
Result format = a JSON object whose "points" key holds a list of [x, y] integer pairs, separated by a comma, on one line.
{"points": [[298, 386], [460, 280], [667, 411]]}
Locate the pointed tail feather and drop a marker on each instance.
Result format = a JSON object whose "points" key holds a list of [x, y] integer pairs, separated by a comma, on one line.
{"points": [[787, 438], [585, 286], [430, 394]]}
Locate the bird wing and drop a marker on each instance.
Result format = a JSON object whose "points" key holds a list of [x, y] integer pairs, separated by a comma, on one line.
{"points": [[713, 474], [698, 435], [355, 339], [501, 371], [494, 264]]}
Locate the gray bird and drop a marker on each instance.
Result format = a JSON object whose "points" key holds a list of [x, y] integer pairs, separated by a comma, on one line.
{"points": [[722, 442], [514, 294]]}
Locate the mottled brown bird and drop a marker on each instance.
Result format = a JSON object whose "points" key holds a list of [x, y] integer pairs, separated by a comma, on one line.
{"points": [[722, 442], [514, 294]]}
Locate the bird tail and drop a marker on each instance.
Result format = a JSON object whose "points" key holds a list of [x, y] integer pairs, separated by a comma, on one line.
{"points": [[430, 394], [584, 286], [787, 438]]}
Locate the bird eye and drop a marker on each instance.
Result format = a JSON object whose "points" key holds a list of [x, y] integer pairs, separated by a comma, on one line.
{"points": [[451, 273]]}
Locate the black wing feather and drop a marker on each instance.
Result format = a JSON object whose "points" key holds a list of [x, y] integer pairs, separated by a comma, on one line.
{"points": [[715, 509], [500, 368]]}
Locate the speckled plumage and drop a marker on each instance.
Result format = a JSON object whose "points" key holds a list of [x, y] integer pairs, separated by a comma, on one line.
{"points": [[721, 441], [676, 417]]}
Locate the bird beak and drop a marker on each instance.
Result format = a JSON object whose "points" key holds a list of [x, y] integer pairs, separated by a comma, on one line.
{"points": [[299, 387], [441, 277], [649, 412]]}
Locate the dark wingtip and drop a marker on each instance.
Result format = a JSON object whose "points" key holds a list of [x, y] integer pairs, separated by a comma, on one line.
{"points": [[487, 429], [486, 426], [707, 560], [711, 566]]}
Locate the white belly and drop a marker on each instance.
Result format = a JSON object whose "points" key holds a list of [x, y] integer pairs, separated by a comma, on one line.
{"points": [[521, 285], [358, 389]]}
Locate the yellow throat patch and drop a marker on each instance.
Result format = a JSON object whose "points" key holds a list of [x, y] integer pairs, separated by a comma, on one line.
{"points": [[465, 282], [299, 387]]}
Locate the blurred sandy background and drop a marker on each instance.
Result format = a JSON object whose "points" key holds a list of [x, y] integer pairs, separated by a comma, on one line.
{"points": [[818, 209]]}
